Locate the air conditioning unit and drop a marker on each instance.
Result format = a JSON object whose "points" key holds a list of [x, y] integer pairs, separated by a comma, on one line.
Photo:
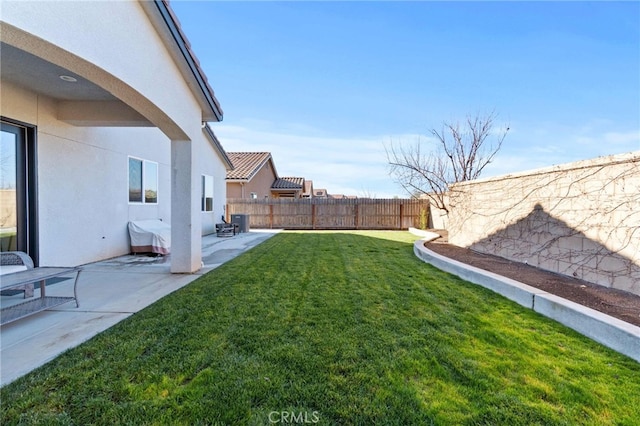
{"points": [[242, 220]]}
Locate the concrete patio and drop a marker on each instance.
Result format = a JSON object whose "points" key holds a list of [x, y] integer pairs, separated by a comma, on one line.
{"points": [[108, 292]]}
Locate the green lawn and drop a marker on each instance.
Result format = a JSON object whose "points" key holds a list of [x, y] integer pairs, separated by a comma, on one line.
{"points": [[333, 328]]}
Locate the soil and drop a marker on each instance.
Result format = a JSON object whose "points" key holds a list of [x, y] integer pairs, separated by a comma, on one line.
{"points": [[617, 303]]}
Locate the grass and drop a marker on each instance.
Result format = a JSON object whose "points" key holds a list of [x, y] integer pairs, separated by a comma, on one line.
{"points": [[333, 328]]}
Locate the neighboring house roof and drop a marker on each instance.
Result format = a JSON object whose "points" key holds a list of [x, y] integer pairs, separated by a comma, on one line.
{"points": [[218, 147], [308, 188], [194, 65], [247, 164], [295, 183], [320, 192]]}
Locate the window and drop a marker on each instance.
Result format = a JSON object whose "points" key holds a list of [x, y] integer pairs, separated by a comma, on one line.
{"points": [[207, 193], [150, 182], [143, 181]]}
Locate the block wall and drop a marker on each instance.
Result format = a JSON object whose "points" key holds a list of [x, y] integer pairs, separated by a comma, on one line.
{"points": [[580, 219]]}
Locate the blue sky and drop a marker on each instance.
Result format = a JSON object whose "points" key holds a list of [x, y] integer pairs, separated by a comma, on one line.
{"points": [[324, 86]]}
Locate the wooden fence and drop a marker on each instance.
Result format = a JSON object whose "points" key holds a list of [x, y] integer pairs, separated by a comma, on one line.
{"points": [[327, 213]]}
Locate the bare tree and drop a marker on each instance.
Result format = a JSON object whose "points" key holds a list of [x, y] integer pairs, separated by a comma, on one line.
{"points": [[367, 193], [457, 153]]}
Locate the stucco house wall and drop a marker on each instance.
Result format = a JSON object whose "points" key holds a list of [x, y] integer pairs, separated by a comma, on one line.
{"points": [[155, 112], [234, 190], [214, 166], [260, 184], [580, 219], [137, 58], [83, 181]]}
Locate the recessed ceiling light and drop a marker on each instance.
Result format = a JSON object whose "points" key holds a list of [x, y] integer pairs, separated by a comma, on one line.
{"points": [[68, 78]]}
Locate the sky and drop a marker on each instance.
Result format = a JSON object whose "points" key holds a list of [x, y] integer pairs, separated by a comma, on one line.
{"points": [[325, 86]]}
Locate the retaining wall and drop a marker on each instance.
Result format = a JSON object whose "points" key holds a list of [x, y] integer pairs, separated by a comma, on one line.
{"points": [[607, 330], [580, 219]]}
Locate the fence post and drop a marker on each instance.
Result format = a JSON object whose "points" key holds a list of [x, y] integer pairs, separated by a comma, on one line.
{"points": [[401, 214], [270, 215], [356, 211], [313, 215]]}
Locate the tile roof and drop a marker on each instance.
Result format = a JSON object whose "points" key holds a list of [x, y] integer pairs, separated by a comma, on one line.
{"points": [[288, 183], [193, 63], [246, 164]]}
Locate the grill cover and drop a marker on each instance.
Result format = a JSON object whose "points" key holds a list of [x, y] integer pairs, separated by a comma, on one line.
{"points": [[150, 236]]}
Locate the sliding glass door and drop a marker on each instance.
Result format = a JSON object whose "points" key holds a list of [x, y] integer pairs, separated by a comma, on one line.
{"points": [[18, 218]]}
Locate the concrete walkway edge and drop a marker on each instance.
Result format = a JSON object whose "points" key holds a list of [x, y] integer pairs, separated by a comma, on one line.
{"points": [[609, 331], [109, 292]]}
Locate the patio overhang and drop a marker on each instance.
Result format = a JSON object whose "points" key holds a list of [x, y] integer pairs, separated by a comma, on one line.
{"points": [[88, 81], [86, 95]]}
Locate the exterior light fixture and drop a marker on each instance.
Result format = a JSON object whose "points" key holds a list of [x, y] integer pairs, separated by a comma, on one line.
{"points": [[68, 78]]}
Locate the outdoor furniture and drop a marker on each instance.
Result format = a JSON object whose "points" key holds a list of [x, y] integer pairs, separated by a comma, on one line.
{"points": [[226, 229], [24, 278], [150, 236], [14, 261]]}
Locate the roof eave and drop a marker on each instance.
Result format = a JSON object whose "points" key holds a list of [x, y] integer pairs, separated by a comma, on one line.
{"points": [[218, 147], [213, 111], [261, 165], [258, 167]]}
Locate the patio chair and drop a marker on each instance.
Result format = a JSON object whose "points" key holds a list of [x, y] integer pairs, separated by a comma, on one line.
{"points": [[226, 229], [14, 261]]}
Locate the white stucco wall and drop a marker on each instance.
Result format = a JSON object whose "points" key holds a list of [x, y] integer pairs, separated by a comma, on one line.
{"points": [[215, 167], [83, 181], [116, 37], [83, 171]]}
